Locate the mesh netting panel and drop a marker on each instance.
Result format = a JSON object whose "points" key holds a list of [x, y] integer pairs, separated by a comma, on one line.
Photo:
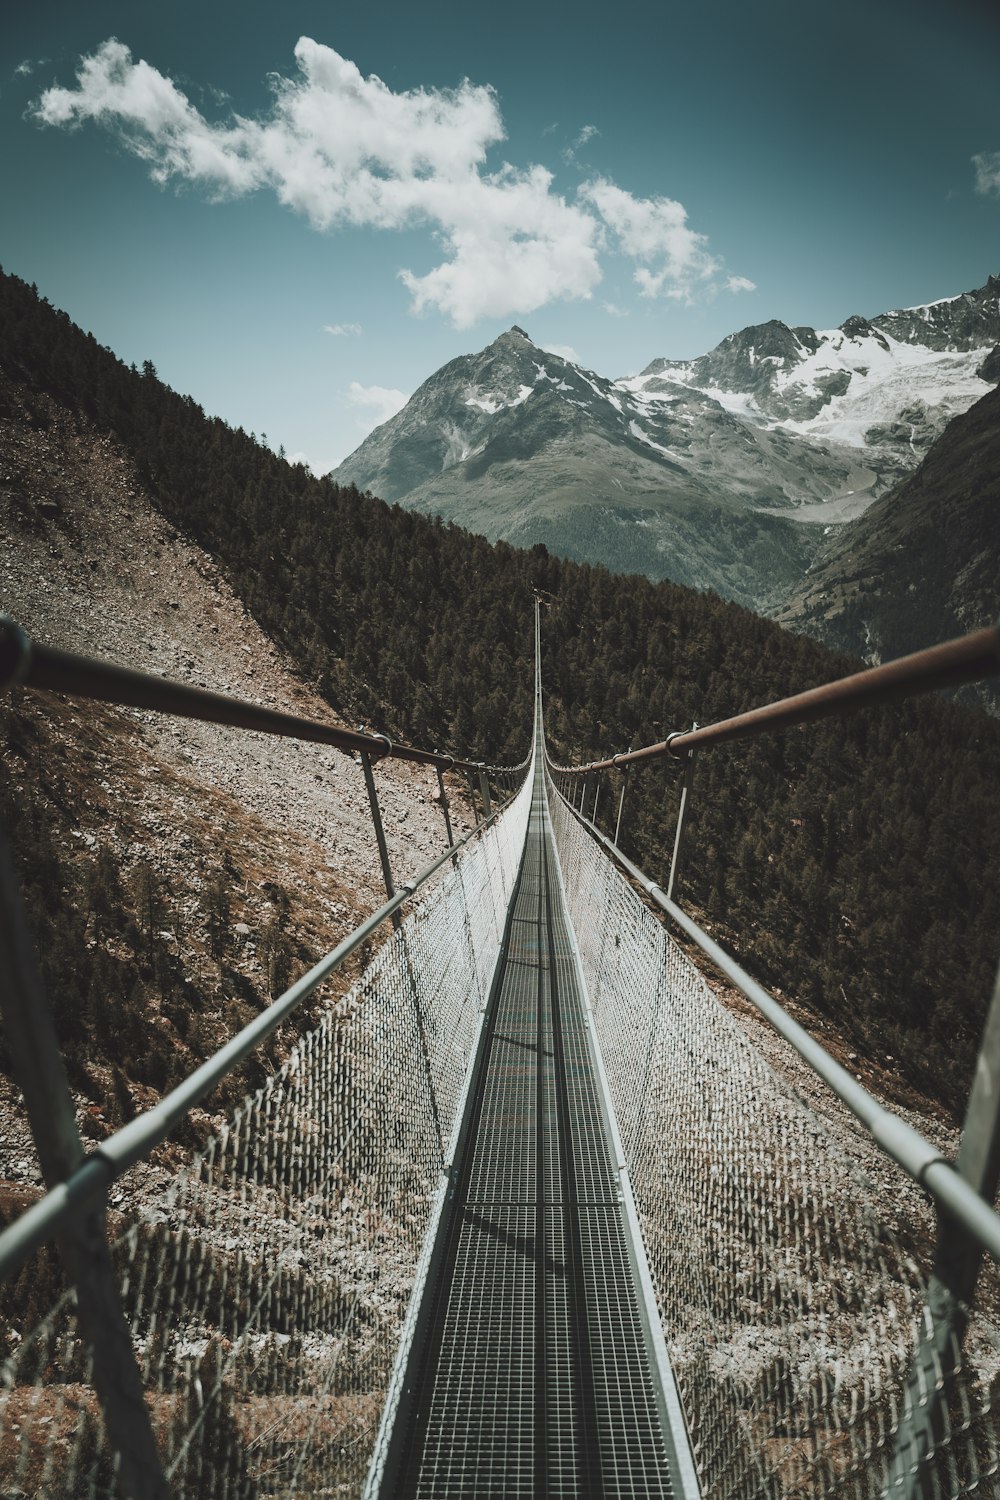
{"points": [[266, 1283], [791, 1308]]}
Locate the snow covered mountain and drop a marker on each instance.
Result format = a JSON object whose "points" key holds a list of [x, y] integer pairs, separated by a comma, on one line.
{"points": [[885, 388], [704, 471]]}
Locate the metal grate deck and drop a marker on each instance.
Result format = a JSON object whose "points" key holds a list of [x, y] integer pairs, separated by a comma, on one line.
{"points": [[531, 1372]]}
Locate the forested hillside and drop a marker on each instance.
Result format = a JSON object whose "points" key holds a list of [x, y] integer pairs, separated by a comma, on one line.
{"points": [[852, 865]]}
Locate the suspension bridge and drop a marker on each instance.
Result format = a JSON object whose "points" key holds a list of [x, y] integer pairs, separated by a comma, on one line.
{"points": [[526, 1214]]}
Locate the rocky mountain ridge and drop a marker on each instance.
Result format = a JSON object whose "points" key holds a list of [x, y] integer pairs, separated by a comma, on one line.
{"points": [[887, 386], [722, 472]]}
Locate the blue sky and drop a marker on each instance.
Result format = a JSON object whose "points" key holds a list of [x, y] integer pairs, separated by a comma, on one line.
{"points": [[300, 212]]}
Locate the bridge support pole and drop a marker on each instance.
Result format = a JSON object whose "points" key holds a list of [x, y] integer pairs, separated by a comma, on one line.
{"points": [[443, 796], [84, 1247], [484, 792], [924, 1423], [472, 797], [597, 793], [621, 803], [383, 848], [681, 817]]}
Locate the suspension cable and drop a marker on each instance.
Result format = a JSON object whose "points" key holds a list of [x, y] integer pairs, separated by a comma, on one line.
{"points": [[969, 658], [35, 665]]}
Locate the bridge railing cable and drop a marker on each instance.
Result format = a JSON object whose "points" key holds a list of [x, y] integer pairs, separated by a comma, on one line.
{"points": [[34, 664], [933, 1448], [970, 658], [229, 1327]]}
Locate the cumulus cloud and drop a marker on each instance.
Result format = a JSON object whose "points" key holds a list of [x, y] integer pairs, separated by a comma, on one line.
{"points": [[674, 259], [987, 165], [565, 351], [375, 404], [740, 284], [345, 150], [343, 330]]}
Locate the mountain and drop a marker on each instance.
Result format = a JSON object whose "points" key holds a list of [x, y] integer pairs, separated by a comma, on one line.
{"points": [[923, 563], [719, 473], [885, 387], [519, 443]]}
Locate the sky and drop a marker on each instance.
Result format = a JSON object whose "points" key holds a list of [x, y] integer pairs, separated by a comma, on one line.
{"points": [[299, 213]]}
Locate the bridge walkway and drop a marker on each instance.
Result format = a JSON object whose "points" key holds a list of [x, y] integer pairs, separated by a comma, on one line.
{"points": [[533, 1369]]}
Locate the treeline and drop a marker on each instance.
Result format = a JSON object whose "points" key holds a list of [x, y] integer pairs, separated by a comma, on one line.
{"points": [[852, 864]]}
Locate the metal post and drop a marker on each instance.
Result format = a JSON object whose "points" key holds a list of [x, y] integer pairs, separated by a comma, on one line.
{"points": [[38, 1064], [597, 793], [924, 1424], [484, 790], [472, 797], [444, 807], [383, 851], [621, 802], [681, 816]]}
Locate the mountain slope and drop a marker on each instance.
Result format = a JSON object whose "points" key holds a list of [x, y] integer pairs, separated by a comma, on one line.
{"points": [[923, 563], [176, 874], [719, 473]]}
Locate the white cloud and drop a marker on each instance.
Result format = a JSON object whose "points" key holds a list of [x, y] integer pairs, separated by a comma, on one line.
{"points": [[25, 69], [586, 134], [614, 310], [740, 284], [565, 351], [654, 231], [343, 330], [987, 165], [345, 150], [515, 246], [375, 403]]}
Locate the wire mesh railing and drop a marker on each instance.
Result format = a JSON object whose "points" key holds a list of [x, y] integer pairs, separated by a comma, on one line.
{"points": [[793, 1297], [265, 1284]]}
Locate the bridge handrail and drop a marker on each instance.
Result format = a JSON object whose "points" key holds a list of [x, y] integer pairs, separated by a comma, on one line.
{"points": [[136, 1140], [31, 663], [968, 658]]}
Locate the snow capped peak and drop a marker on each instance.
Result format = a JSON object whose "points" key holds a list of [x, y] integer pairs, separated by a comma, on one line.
{"points": [[888, 384]]}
